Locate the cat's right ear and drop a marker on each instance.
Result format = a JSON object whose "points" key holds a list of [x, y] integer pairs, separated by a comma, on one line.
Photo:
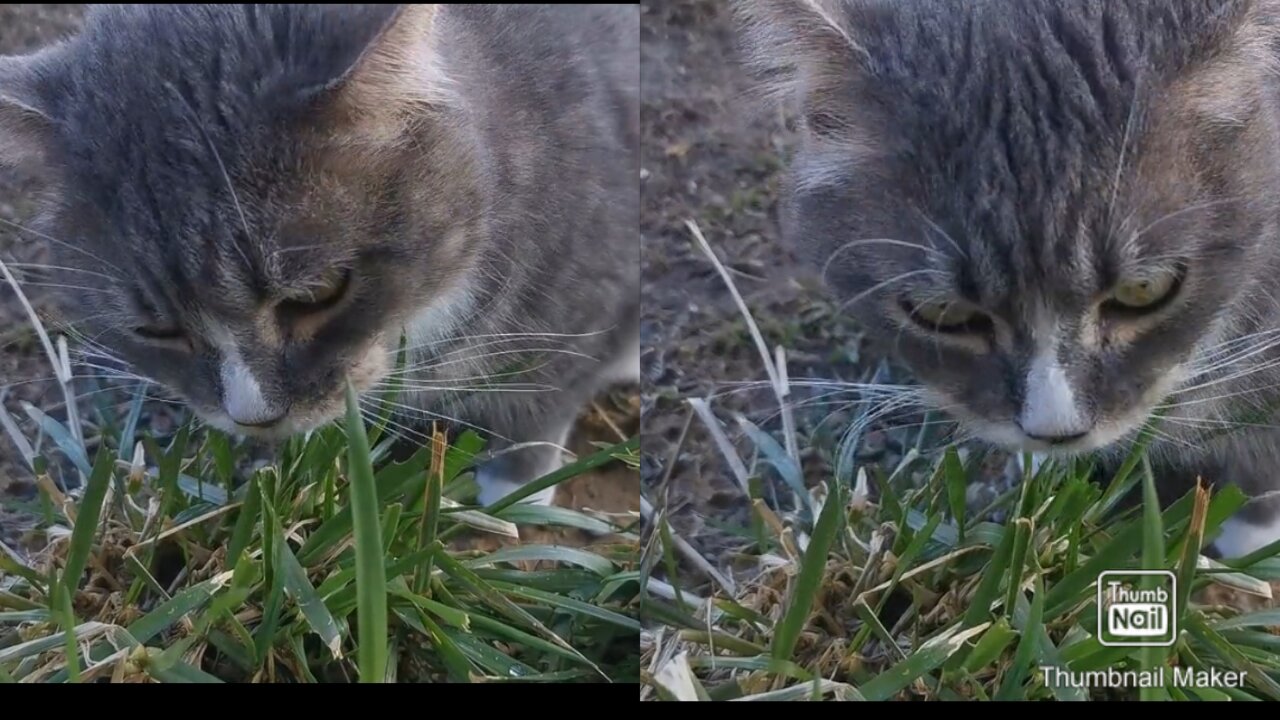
{"points": [[397, 80], [25, 129], [806, 54]]}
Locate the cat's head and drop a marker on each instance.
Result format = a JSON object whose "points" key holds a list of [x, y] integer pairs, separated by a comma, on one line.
{"points": [[1052, 211], [247, 202]]}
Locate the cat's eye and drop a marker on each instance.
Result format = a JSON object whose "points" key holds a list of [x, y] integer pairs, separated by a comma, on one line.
{"points": [[1144, 294], [320, 298], [948, 316]]}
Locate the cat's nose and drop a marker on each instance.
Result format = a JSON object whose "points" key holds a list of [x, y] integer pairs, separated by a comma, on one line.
{"points": [[243, 399], [1051, 412], [250, 414]]}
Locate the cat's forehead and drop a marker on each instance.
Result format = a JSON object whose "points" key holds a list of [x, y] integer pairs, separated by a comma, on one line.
{"points": [[196, 88], [224, 269]]}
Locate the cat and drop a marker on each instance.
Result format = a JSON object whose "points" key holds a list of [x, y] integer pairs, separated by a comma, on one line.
{"points": [[253, 204], [1061, 216]]}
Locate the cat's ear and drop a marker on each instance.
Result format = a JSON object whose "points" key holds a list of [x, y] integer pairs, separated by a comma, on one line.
{"points": [[1243, 51], [25, 129], [398, 78], [805, 53]]}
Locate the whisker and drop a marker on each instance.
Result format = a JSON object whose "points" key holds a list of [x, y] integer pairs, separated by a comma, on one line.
{"points": [[1124, 149], [491, 389], [63, 268], [411, 409], [34, 283], [498, 353], [826, 266], [499, 337], [945, 236], [1183, 211], [881, 285]]}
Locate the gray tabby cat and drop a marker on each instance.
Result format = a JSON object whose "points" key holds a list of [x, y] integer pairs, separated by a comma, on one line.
{"points": [[1063, 216], [256, 202]]}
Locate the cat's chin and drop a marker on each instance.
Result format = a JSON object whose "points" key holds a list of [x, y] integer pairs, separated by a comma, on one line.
{"points": [[291, 425], [1010, 438], [285, 429]]}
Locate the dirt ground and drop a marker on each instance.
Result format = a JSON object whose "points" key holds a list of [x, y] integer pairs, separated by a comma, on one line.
{"points": [[714, 157], [25, 372], [23, 28]]}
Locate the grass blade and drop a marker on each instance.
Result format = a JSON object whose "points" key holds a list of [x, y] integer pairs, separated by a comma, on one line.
{"points": [[499, 602], [572, 470], [62, 437], [454, 659], [1152, 559], [990, 646], [569, 604], [299, 587], [1260, 618], [957, 485], [553, 553], [371, 580], [67, 618], [926, 659], [1023, 656], [249, 515], [429, 527], [812, 570], [1196, 626], [87, 522], [525, 514], [181, 673]]}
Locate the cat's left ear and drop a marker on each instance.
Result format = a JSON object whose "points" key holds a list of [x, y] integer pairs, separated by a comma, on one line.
{"points": [[398, 79], [809, 53], [25, 129], [1243, 51]]}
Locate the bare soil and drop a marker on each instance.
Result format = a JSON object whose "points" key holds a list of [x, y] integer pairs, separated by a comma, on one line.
{"points": [[24, 370], [713, 156]]}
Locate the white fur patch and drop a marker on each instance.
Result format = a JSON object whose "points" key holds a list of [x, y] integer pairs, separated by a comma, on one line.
{"points": [[1240, 537], [494, 487], [1049, 408], [242, 396]]}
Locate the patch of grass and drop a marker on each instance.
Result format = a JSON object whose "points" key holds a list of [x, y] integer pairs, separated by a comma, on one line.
{"points": [[898, 599], [189, 577], [181, 559], [886, 588]]}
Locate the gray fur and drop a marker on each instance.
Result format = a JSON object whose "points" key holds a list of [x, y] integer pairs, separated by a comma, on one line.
{"points": [[1024, 156], [215, 161]]}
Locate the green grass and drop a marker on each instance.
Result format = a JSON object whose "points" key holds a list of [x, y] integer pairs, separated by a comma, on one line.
{"points": [[331, 564], [181, 559], [888, 587], [898, 599]]}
